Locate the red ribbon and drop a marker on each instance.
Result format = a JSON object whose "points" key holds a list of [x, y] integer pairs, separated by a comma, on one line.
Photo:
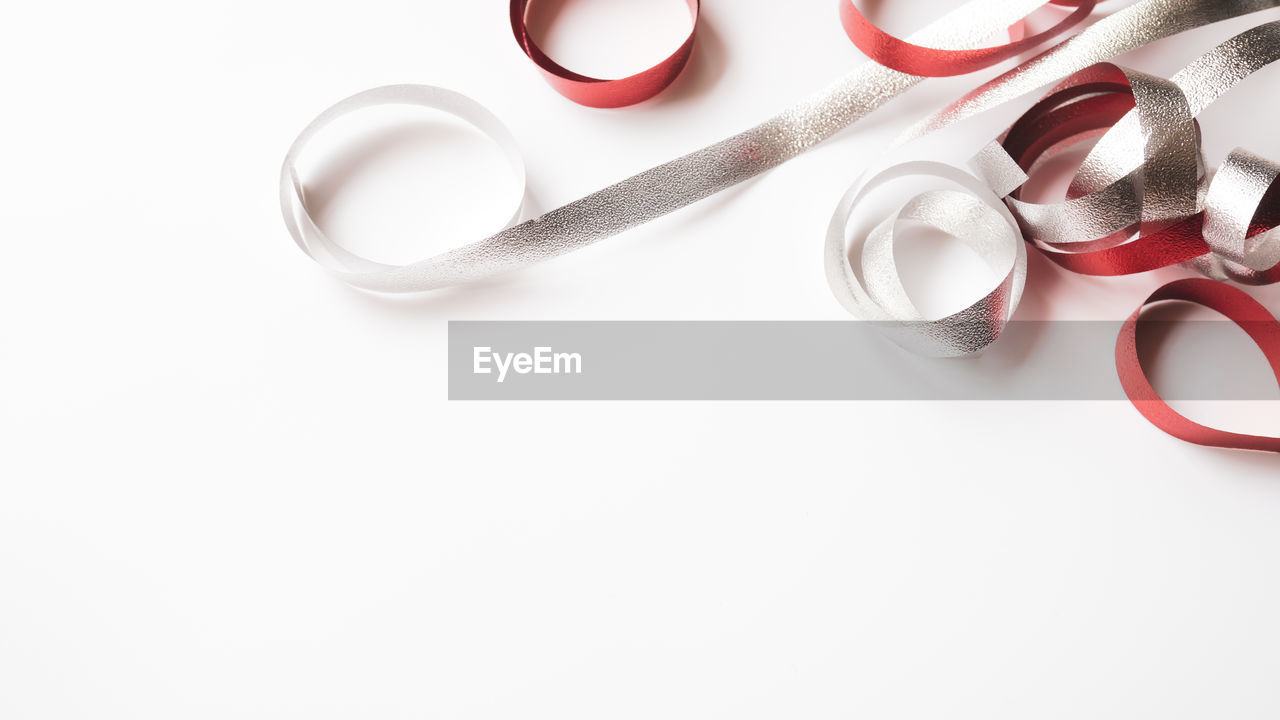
{"points": [[1078, 112], [876, 43], [596, 92], [931, 62], [1073, 112], [1236, 305]]}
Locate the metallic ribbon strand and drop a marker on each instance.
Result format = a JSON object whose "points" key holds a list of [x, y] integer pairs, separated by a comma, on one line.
{"points": [[914, 59], [1140, 200], [596, 92], [673, 185], [973, 215], [1231, 302], [1146, 172], [1144, 176]]}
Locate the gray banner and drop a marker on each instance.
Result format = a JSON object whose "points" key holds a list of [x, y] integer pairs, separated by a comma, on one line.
{"points": [[838, 361]]}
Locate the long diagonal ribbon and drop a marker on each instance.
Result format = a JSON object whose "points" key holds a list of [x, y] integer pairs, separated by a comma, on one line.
{"points": [[685, 180]]}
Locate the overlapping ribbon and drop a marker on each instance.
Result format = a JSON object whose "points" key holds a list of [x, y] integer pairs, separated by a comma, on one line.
{"points": [[1142, 200], [968, 211], [685, 180], [1165, 208], [1146, 175]]}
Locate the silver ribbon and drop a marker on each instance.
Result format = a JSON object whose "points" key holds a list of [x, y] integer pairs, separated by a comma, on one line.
{"points": [[1234, 197], [683, 181], [974, 215], [1144, 175]]}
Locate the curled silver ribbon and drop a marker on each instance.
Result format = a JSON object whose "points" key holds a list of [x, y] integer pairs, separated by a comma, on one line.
{"points": [[349, 267], [1140, 200], [1238, 190], [1146, 173], [683, 181], [974, 215]]}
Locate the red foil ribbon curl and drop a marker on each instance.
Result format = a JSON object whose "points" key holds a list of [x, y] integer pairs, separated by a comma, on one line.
{"points": [[1158, 194], [1231, 302], [923, 61], [597, 92]]}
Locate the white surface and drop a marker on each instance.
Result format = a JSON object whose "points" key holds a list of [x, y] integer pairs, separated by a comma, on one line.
{"points": [[230, 487]]}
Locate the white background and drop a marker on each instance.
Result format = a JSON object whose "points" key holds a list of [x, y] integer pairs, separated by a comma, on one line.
{"points": [[232, 487]]}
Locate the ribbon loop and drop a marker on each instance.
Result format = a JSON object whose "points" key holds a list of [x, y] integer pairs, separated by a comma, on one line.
{"points": [[913, 59], [1138, 202], [1241, 211], [1231, 302], [597, 92], [973, 215], [363, 272]]}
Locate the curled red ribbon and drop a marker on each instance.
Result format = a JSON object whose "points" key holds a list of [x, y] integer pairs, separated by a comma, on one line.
{"points": [[914, 59], [597, 92], [1220, 224], [1229, 301]]}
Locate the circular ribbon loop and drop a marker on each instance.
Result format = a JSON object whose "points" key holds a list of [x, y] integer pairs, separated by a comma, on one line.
{"points": [[363, 272], [596, 92], [1231, 302]]}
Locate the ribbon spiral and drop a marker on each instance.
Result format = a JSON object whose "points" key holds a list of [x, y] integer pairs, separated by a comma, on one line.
{"points": [[1141, 200], [969, 212]]}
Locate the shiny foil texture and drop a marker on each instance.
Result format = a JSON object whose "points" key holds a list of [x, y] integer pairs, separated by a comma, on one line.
{"points": [[1229, 301], [1141, 200], [685, 180], [597, 92], [913, 59]]}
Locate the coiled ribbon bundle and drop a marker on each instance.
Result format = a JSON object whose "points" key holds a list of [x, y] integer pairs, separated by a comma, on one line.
{"points": [[1144, 176], [971, 213], [1224, 230]]}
